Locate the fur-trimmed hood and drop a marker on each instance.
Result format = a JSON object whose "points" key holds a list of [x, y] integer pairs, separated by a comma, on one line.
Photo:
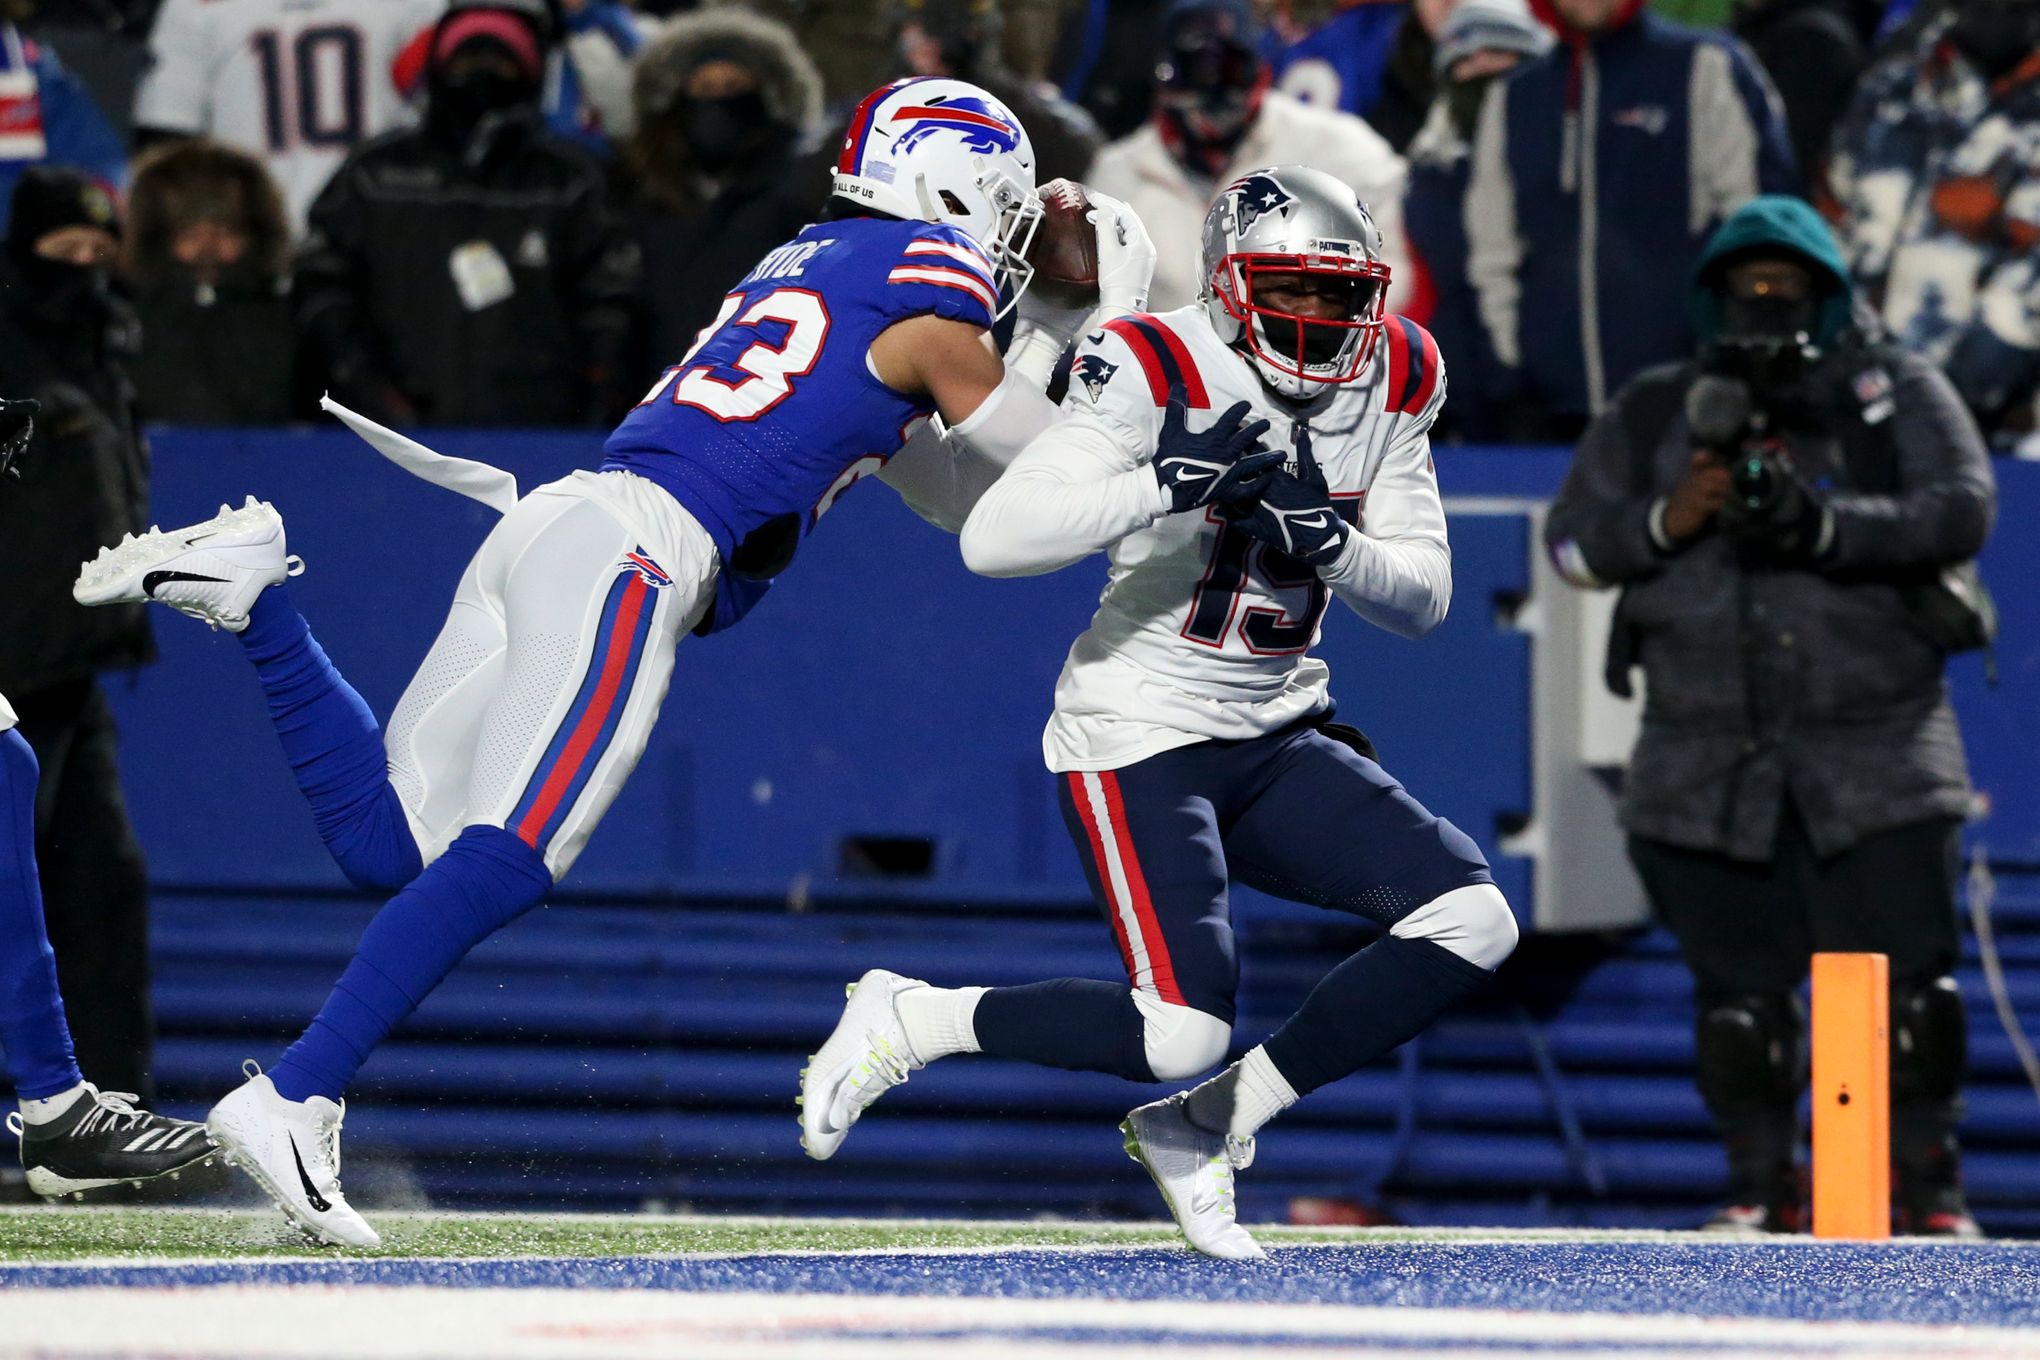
{"points": [[787, 76]]}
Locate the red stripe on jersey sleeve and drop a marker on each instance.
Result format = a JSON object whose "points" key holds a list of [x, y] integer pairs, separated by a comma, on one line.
{"points": [[1143, 350], [1427, 377], [1193, 381], [1398, 362]]}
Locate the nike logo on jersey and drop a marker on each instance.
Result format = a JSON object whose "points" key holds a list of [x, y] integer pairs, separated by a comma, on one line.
{"points": [[157, 578], [312, 1195]]}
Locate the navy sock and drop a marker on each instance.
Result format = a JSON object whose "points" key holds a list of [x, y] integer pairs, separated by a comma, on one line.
{"points": [[333, 745], [486, 879], [1077, 1024], [1374, 1002], [34, 1036]]}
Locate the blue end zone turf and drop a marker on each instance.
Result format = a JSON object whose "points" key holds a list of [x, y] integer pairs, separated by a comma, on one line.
{"points": [[1987, 1285]]}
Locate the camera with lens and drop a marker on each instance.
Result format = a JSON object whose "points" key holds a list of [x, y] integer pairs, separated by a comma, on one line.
{"points": [[1737, 410]]}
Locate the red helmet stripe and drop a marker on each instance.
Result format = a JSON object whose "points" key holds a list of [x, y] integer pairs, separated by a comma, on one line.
{"points": [[860, 128]]}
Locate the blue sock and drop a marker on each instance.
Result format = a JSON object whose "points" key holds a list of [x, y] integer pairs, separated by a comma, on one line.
{"points": [[33, 1034], [1374, 1002], [333, 745], [486, 879], [1077, 1024]]}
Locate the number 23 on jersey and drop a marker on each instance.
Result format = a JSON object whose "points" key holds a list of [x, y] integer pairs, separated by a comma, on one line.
{"points": [[789, 326]]}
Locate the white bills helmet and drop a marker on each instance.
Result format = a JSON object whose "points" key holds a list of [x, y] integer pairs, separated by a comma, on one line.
{"points": [[944, 150], [1292, 221]]}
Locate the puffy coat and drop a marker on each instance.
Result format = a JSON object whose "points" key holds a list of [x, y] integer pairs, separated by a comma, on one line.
{"points": [[1140, 170]]}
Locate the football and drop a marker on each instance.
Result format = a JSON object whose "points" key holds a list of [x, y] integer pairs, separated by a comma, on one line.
{"points": [[1065, 248]]}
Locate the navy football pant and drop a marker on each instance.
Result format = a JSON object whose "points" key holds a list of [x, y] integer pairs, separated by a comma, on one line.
{"points": [[1296, 814]]}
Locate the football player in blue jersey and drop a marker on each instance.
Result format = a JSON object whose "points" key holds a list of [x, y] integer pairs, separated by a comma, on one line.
{"points": [[536, 701], [74, 1136]]}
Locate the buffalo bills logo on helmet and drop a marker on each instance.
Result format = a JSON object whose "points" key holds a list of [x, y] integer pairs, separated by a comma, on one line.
{"points": [[986, 128], [1093, 372], [1255, 197]]}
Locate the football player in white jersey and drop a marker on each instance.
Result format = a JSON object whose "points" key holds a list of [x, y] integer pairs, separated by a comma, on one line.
{"points": [[1191, 730], [295, 83]]}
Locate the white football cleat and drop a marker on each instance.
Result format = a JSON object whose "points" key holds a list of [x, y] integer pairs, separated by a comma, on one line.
{"points": [[211, 571], [866, 1056], [1195, 1172], [292, 1149]]}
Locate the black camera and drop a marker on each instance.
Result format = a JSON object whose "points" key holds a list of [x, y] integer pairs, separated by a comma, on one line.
{"points": [[1736, 410]]}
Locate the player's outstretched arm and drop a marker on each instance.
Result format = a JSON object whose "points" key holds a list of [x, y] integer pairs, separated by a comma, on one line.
{"points": [[988, 415]]}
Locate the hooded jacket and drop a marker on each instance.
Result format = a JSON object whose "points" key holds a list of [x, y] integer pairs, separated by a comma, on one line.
{"points": [[699, 235], [1764, 682], [1597, 172]]}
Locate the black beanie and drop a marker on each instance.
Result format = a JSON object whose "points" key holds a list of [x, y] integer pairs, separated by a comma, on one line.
{"points": [[49, 198]]}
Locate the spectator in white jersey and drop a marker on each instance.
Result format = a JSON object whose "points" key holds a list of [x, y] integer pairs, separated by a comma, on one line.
{"points": [[295, 83]]}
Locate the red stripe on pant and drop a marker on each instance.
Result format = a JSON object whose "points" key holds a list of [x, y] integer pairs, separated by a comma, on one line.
{"points": [[615, 660], [1081, 797], [1159, 966]]}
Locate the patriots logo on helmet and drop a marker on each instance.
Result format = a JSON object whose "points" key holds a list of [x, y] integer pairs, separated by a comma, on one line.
{"points": [[1093, 372], [985, 127], [1256, 196]]}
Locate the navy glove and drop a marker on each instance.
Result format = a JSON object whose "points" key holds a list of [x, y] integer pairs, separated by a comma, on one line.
{"points": [[1218, 466], [17, 427], [1294, 514]]}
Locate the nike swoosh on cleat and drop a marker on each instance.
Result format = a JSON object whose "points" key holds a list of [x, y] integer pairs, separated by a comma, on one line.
{"points": [[200, 538], [157, 578], [318, 1201]]}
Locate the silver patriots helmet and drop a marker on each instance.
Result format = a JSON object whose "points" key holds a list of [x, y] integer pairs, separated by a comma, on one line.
{"points": [[1307, 232]]}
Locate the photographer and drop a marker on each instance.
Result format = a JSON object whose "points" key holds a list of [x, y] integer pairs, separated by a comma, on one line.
{"points": [[1782, 516]]}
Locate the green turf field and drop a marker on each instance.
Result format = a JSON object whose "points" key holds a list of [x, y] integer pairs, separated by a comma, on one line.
{"points": [[71, 1233]]}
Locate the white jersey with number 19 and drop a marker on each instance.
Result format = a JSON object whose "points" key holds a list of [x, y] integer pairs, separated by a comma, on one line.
{"points": [[295, 83], [1203, 633]]}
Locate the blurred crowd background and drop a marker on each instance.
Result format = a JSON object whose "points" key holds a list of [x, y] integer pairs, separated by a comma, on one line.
{"points": [[516, 212]]}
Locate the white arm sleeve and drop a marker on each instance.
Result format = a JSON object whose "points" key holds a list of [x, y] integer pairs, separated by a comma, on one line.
{"points": [[176, 93], [1396, 572], [941, 475], [1075, 490]]}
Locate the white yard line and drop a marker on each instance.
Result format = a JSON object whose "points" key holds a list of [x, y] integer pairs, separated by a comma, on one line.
{"points": [[302, 1323]]}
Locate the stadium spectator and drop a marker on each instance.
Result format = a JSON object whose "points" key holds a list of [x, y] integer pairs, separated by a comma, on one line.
{"points": [[64, 340], [1781, 515], [207, 265], [851, 42], [1215, 119], [961, 38], [602, 43], [295, 83], [1813, 50], [1479, 41], [1112, 69], [48, 118], [723, 98], [1597, 172], [470, 271], [1372, 58], [1936, 182]]}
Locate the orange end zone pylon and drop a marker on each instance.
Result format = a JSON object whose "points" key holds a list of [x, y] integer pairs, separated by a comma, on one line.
{"points": [[1851, 1096]]}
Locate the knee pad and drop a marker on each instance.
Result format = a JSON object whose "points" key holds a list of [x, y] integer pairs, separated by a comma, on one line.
{"points": [[1180, 1042], [1473, 922], [1749, 1052], [1929, 1040]]}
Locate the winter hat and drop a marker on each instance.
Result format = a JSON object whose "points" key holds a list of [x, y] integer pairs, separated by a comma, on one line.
{"points": [[505, 27], [49, 198], [1488, 26]]}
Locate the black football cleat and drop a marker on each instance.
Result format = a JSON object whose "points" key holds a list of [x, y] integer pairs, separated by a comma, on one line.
{"points": [[104, 1140]]}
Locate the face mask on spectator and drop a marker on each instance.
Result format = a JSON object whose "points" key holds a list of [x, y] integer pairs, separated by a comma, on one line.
{"points": [[486, 62], [61, 239], [1997, 34], [1211, 89], [720, 132]]}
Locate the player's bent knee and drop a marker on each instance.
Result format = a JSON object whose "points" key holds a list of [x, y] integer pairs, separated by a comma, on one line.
{"points": [[1473, 922], [1181, 1042]]}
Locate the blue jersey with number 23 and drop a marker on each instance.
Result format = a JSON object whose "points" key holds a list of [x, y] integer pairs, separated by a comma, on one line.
{"points": [[775, 412]]}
